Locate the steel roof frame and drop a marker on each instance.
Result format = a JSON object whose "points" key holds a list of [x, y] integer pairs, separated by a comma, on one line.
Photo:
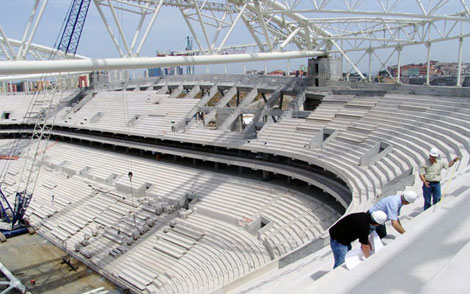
{"points": [[330, 26]]}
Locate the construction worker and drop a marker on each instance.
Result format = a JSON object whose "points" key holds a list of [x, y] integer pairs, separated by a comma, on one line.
{"points": [[430, 174], [350, 228], [391, 205]]}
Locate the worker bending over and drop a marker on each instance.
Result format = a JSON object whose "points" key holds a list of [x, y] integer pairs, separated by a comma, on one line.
{"points": [[391, 206], [350, 228]]}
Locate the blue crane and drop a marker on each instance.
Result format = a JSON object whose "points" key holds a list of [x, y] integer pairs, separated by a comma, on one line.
{"points": [[74, 26], [12, 222]]}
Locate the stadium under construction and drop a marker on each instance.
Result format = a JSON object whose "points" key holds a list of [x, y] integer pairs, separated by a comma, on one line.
{"points": [[229, 183]]}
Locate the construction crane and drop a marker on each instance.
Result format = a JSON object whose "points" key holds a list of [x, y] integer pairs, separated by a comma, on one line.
{"points": [[12, 221], [74, 26]]}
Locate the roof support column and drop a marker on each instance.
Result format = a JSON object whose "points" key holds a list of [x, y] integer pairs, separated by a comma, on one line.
{"points": [[253, 34], [399, 48], [347, 58], [263, 25], [231, 28], [203, 27], [428, 65], [10, 54], [191, 29], [118, 25], [108, 28], [370, 51], [28, 26], [149, 27], [459, 66], [34, 29]]}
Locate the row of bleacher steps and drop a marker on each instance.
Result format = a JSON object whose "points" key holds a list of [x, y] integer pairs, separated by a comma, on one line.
{"points": [[290, 136], [18, 108], [142, 113], [354, 110], [423, 127], [197, 133], [282, 135], [412, 124], [398, 117], [338, 166], [401, 123], [368, 124], [324, 114], [86, 206]]}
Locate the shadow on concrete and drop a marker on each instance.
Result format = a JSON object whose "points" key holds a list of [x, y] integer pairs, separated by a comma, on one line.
{"points": [[318, 275]]}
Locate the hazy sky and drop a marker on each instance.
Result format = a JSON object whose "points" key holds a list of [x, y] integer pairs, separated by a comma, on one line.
{"points": [[168, 34]]}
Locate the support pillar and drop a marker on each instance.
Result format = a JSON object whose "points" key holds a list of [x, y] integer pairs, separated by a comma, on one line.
{"points": [[459, 66], [342, 60], [428, 65], [399, 48], [267, 175], [370, 51], [288, 67]]}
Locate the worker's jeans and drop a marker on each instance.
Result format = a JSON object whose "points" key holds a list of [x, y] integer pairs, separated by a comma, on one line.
{"points": [[433, 190], [339, 251]]}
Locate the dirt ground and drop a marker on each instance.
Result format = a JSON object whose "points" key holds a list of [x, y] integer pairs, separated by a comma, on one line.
{"points": [[30, 257]]}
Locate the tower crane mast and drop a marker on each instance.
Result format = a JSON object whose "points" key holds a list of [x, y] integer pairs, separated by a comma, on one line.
{"points": [[12, 221], [74, 26]]}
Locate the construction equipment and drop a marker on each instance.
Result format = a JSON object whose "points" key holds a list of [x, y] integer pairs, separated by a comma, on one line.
{"points": [[12, 218], [74, 26]]}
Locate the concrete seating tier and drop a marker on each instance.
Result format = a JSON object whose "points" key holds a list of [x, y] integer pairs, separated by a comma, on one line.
{"points": [[143, 113], [18, 108], [106, 224], [426, 132], [395, 124], [321, 116], [411, 124]]}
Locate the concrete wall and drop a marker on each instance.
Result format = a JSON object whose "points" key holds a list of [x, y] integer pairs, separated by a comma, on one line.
{"points": [[323, 69]]}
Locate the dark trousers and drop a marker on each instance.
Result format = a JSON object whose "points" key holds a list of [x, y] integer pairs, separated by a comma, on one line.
{"points": [[381, 231], [434, 192]]}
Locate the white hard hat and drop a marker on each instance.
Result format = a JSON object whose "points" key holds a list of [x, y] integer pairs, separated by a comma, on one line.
{"points": [[379, 217], [410, 196], [433, 152]]}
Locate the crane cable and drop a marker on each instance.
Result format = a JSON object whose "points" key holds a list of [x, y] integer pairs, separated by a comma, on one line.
{"points": [[128, 157], [29, 109], [454, 169]]}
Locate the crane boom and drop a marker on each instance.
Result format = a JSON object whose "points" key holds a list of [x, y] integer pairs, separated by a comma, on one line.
{"points": [[12, 220], [74, 26]]}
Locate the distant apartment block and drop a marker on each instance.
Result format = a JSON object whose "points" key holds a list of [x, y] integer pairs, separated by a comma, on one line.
{"points": [[436, 69]]}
